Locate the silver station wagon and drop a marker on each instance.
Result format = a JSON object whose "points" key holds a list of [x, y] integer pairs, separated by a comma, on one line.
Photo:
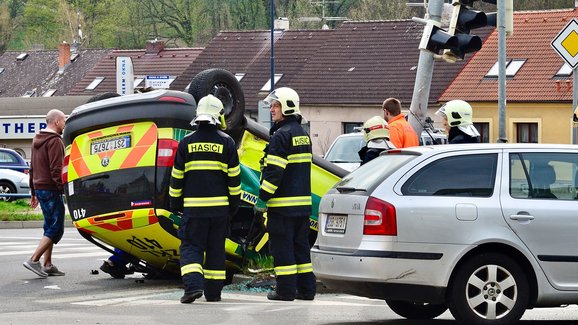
{"points": [[486, 230]]}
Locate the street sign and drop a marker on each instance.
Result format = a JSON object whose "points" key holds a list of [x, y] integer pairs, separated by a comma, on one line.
{"points": [[159, 82], [566, 43]]}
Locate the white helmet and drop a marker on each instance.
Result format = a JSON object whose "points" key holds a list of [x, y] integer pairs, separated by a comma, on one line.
{"points": [[210, 109], [288, 98], [374, 128], [459, 113]]}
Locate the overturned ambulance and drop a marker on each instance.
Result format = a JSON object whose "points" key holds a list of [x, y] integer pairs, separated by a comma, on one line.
{"points": [[117, 168]]}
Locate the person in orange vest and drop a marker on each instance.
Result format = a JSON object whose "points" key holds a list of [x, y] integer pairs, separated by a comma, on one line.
{"points": [[401, 134]]}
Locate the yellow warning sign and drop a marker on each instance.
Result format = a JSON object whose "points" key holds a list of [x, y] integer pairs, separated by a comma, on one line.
{"points": [[566, 43]]}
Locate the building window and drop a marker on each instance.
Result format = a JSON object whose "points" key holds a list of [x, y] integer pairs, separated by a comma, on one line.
{"points": [[349, 127], [267, 86], [512, 67], [49, 93], [565, 71], [527, 132], [22, 57], [94, 83], [484, 130], [138, 81], [29, 93]]}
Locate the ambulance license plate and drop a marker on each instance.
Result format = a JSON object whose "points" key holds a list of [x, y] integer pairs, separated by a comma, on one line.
{"points": [[110, 144], [336, 224]]}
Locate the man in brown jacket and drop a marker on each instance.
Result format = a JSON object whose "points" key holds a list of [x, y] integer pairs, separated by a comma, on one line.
{"points": [[47, 188]]}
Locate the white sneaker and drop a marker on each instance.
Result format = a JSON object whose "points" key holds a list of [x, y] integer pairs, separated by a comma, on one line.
{"points": [[35, 267]]}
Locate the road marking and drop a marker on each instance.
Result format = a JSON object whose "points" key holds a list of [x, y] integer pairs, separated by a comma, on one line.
{"points": [[229, 299]]}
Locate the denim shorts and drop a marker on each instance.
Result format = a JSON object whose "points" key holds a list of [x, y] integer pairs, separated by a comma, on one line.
{"points": [[53, 211]]}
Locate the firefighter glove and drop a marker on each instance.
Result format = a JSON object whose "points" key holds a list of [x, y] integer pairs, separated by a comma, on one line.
{"points": [[260, 206]]}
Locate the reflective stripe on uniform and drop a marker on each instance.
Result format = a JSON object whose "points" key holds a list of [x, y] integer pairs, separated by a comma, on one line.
{"points": [[304, 268], [189, 268], [176, 173], [286, 270], [235, 190], [290, 201], [205, 201], [175, 192], [235, 171], [276, 160], [300, 158], [268, 187], [215, 274], [205, 165]]}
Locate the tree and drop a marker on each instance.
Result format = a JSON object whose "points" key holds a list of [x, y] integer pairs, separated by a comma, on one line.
{"points": [[380, 10]]}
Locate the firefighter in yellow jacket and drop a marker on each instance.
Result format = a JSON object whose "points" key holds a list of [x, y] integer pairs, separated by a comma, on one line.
{"points": [[205, 187], [285, 194]]}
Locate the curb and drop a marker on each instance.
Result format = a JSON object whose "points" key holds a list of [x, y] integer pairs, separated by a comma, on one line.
{"points": [[28, 224]]}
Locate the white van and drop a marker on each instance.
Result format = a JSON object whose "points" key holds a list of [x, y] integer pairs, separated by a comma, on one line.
{"points": [[344, 150]]}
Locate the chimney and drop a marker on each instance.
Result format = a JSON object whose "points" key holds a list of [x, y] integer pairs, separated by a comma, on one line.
{"points": [[154, 47], [63, 56], [281, 23]]}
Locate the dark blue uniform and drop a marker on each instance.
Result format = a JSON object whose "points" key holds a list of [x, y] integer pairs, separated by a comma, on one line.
{"points": [[458, 136], [205, 186], [286, 187]]}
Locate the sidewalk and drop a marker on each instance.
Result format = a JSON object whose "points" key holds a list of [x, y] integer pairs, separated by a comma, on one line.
{"points": [[28, 224], [32, 224]]}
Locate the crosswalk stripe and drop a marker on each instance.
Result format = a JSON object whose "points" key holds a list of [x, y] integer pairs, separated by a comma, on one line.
{"points": [[63, 256], [66, 248]]}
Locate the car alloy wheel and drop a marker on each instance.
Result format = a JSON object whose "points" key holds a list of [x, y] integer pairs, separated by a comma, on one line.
{"points": [[489, 289], [7, 188]]}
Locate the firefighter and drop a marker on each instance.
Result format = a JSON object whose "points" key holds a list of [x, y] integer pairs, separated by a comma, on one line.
{"points": [[285, 194], [376, 136], [205, 188], [457, 115]]}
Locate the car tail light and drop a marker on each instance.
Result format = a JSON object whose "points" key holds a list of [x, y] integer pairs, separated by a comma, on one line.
{"points": [[172, 99], [166, 152], [65, 169], [379, 218]]}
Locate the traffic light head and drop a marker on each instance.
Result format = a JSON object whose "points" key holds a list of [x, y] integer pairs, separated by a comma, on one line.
{"points": [[435, 39], [463, 20]]}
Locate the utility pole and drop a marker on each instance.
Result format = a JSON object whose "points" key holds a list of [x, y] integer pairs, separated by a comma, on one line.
{"points": [[502, 138], [423, 76]]}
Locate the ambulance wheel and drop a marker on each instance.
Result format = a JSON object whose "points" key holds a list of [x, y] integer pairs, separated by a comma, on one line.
{"points": [[225, 86]]}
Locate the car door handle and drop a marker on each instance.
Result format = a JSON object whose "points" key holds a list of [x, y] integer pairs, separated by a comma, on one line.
{"points": [[522, 217]]}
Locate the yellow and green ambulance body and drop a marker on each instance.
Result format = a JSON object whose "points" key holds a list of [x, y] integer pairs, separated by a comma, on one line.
{"points": [[119, 156]]}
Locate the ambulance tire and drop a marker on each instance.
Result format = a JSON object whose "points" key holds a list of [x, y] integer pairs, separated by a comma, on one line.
{"points": [[225, 86]]}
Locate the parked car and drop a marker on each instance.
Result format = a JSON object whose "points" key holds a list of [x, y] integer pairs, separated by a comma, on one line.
{"points": [[13, 182], [10, 159], [488, 230], [344, 150], [118, 162]]}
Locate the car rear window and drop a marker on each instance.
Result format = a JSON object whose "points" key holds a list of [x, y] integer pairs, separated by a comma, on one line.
{"points": [[6, 157], [370, 175], [467, 175]]}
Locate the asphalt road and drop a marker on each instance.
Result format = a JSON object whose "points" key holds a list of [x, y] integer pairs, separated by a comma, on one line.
{"points": [[82, 297]]}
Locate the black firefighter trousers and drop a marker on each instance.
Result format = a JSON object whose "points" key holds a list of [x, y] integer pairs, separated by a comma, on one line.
{"points": [[199, 235], [289, 244]]}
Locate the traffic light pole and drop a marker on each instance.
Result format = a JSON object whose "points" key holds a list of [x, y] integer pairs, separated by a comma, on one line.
{"points": [[423, 76]]}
